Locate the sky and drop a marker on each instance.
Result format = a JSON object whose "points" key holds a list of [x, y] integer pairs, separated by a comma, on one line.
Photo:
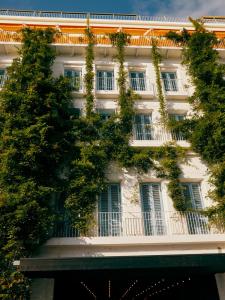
{"points": [[181, 8]]}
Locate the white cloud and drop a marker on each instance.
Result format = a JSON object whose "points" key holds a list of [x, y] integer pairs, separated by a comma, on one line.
{"points": [[182, 8]]}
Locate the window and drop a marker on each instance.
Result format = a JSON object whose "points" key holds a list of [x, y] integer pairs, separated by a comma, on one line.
{"points": [[110, 211], [152, 209], [169, 81], [105, 114], [196, 223], [177, 134], [138, 81], [75, 78], [3, 77], [105, 80], [142, 127]]}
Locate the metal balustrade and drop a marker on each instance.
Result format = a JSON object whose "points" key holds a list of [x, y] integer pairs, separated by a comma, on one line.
{"points": [[158, 223], [174, 85], [105, 83], [83, 15], [3, 79], [102, 16], [138, 84], [155, 132]]}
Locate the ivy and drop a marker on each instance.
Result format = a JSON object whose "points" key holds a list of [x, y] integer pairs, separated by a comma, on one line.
{"points": [[89, 75], [35, 140], [169, 157], [47, 154], [206, 131], [156, 58]]}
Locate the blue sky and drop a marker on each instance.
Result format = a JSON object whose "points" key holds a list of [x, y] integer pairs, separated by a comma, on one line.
{"points": [[181, 8]]}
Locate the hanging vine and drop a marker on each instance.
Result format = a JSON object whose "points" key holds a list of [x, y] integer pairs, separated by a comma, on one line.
{"points": [[156, 58], [89, 75], [206, 130], [35, 140]]}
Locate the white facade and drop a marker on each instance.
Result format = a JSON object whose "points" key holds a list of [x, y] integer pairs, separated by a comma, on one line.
{"points": [[131, 239]]}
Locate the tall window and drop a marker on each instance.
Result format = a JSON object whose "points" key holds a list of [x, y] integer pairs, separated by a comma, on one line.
{"points": [[177, 134], [152, 209], [110, 211], [169, 81], [142, 127], [105, 80], [196, 223], [2, 77], [74, 77], [138, 81]]}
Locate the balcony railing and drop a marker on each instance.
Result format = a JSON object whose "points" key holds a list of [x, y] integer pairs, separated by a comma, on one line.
{"points": [[105, 83], [138, 84], [155, 132], [157, 223], [106, 16], [173, 85], [3, 79]]}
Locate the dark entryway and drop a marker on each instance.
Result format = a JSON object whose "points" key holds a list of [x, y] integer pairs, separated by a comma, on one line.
{"points": [[163, 277], [120, 288]]}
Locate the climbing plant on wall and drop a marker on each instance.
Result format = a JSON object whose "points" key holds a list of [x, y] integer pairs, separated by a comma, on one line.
{"points": [[156, 58], [35, 140], [206, 130]]}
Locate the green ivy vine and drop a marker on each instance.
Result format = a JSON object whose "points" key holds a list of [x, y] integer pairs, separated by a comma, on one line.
{"points": [[206, 130], [49, 154], [89, 75], [156, 58], [36, 137]]}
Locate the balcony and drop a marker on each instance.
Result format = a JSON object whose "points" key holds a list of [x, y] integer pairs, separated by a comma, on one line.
{"points": [[175, 88], [105, 87], [155, 134], [158, 223], [142, 87]]}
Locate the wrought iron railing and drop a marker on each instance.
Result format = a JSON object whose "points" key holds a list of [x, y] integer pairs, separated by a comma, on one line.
{"points": [[174, 85], [83, 15], [105, 16], [156, 132], [157, 223], [138, 84], [105, 83]]}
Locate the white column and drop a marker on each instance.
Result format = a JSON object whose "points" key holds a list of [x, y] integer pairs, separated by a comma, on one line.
{"points": [[220, 282], [42, 289]]}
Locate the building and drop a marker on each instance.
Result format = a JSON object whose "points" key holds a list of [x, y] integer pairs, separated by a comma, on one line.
{"points": [[140, 248]]}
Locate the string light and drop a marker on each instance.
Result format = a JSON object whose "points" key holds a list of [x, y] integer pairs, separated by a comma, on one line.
{"points": [[109, 289], [87, 288], [128, 290], [174, 285], [149, 288]]}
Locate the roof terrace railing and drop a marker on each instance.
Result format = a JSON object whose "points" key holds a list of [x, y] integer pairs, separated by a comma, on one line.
{"points": [[84, 15], [104, 16]]}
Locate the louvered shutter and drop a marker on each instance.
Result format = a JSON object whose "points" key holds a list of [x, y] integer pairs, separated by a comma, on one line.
{"points": [[197, 202], [156, 197], [145, 198], [152, 209], [187, 195], [104, 201]]}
